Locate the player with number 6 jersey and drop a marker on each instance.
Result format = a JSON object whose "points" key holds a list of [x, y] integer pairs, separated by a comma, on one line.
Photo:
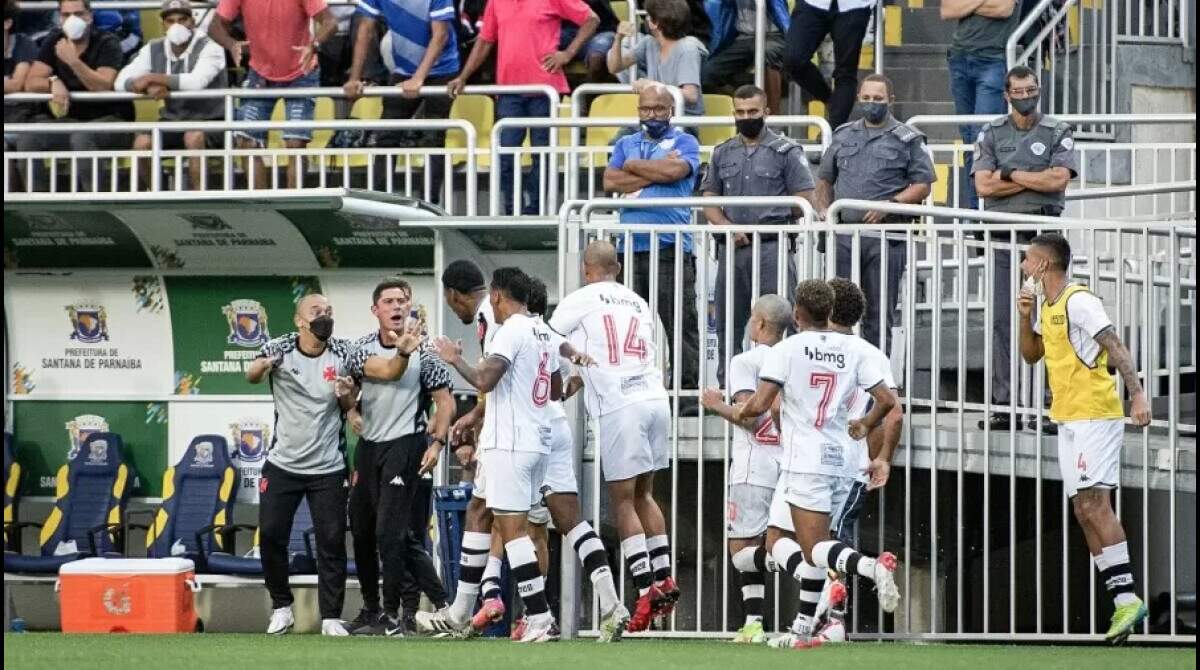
{"points": [[625, 395]]}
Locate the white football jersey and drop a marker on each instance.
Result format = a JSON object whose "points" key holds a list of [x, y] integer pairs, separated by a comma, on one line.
{"points": [[856, 408], [818, 372], [756, 454], [517, 415], [564, 365], [614, 326]]}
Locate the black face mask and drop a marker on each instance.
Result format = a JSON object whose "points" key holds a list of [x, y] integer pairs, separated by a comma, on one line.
{"points": [[751, 128], [321, 327], [874, 112], [1026, 106]]}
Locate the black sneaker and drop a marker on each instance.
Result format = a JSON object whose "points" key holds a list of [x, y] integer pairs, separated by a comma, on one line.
{"points": [[393, 626], [366, 619], [1048, 426], [409, 619], [998, 421]]}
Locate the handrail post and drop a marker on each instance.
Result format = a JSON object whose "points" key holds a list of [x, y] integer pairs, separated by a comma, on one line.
{"points": [[760, 43]]}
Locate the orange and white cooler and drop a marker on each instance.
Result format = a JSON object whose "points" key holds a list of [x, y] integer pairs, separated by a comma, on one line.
{"points": [[128, 595]]}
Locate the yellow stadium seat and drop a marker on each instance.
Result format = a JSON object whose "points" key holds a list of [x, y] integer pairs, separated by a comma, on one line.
{"points": [[941, 187], [480, 111], [621, 9], [815, 108], [364, 109], [146, 109], [608, 105], [152, 27], [717, 105]]}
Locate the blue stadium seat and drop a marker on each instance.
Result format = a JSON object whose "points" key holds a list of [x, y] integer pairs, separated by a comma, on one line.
{"points": [[91, 492], [301, 551], [197, 497], [12, 482]]}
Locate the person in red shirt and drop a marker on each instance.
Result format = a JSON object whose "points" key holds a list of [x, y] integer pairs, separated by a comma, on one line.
{"points": [[283, 54], [527, 54]]}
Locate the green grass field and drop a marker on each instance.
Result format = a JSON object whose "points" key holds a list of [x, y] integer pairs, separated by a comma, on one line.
{"points": [[178, 652]]}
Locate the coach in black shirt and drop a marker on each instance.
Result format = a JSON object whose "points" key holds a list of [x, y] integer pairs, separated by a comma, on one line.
{"points": [[76, 57]]}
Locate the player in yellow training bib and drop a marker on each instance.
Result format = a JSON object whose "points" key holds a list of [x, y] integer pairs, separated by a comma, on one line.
{"points": [[1079, 344]]}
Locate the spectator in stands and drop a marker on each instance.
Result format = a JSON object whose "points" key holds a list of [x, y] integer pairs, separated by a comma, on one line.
{"points": [[733, 47], [424, 51], [846, 22], [673, 57], [180, 61], [126, 24], [526, 36], [283, 54], [875, 158], [754, 162], [594, 54], [1023, 163], [337, 53], [977, 63], [661, 162], [19, 54], [36, 23], [75, 57]]}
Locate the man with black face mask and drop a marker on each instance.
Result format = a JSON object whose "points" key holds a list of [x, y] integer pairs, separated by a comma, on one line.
{"points": [[754, 162], [306, 460], [875, 158], [1023, 163]]}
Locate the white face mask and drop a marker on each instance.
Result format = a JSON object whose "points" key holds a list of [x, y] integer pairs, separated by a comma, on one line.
{"points": [[178, 34], [1036, 285], [74, 28]]}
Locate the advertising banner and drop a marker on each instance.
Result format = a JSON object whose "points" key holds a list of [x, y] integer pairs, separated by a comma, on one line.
{"points": [[258, 240], [246, 426], [69, 239]]}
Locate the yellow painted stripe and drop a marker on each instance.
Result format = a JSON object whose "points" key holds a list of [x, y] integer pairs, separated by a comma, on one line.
{"points": [[218, 521], [14, 477], [815, 108], [156, 528], [892, 24], [119, 485], [50, 526], [226, 485], [61, 485], [941, 187]]}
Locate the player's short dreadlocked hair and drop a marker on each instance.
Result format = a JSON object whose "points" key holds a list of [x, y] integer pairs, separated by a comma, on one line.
{"points": [[539, 300], [816, 297], [463, 276], [849, 303], [514, 283]]}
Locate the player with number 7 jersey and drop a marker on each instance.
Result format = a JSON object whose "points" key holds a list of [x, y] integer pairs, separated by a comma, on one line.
{"points": [[625, 395]]}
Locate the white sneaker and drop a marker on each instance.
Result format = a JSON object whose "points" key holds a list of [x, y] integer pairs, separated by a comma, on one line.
{"points": [[540, 629], [441, 623], [282, 621], [885, 582], [612, 625], [832, 632], [334, 628]]}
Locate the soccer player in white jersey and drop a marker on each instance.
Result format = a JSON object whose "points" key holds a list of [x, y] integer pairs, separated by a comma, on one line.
{"points": [[519, 374], [624, 392], [754, 462], [872, 467], [816, 371]]}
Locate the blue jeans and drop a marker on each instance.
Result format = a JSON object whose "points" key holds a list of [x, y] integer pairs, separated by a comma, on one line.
{"points": [[977, 85], [520, 106], [295, 109]]}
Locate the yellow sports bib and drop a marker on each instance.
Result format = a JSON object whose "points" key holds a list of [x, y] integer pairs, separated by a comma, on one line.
{"points": [[1080, 391]]}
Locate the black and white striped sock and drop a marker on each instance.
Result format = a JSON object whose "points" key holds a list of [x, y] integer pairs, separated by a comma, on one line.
{"points": [[490, 586], [594, 558], [837, 556], [1113, 563], [531, 586], [753, 583], [638, 561], [472, 561], [660, 556], [812, 580]]}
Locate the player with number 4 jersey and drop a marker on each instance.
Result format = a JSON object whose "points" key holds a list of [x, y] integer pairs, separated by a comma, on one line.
{"points": [[625, 395]]}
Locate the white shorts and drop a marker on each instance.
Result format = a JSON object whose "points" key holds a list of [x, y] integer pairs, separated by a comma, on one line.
{"points": [[560, 469], [633, 440], [815, 493], [514, 479], [1089, 454], [749, 506]]}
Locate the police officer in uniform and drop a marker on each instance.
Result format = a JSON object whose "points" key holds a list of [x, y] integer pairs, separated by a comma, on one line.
{"points": [[755, 162], [875, 158], [1023, 163]]}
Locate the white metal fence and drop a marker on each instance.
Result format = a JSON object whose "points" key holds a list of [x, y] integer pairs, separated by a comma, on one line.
{"points": [[978, 516]]}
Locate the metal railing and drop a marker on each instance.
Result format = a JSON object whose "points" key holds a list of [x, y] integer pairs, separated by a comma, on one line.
{"points": [[1161, 21], [978, 517]]}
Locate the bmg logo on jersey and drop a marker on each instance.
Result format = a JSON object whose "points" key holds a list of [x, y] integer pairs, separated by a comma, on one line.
{"points": [[89, 323], [247, 323], [836, 358]]}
